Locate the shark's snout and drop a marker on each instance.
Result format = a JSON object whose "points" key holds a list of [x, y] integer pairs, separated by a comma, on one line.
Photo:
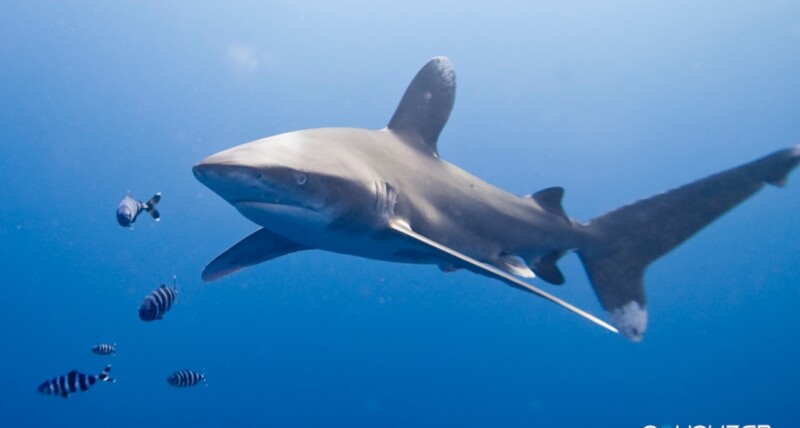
{"points": [[232, 182], [197, 170], [207, 173], [235, 156], [218, 167], [201, 171]]}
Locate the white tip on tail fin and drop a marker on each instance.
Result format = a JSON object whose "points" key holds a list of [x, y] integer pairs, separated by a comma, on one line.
{"points": [[631, 319]]}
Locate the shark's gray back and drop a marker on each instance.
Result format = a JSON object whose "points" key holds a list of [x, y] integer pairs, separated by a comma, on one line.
{"points": [[450, 205]]}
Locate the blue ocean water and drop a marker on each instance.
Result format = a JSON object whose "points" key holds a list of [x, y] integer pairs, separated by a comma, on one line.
{"points": [[614, 101]]}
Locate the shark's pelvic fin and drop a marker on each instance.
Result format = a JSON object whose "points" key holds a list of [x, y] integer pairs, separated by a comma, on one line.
{"points": [[624, 241], [258, 247], [402, 227], [426, 105], [514, 265]]}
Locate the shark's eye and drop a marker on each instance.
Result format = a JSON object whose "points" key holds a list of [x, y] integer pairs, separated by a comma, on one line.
{"points": [[300, 178]]}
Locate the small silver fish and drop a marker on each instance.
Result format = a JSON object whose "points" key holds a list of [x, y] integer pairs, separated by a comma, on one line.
{"points": [[130, 208], [105, 349]]}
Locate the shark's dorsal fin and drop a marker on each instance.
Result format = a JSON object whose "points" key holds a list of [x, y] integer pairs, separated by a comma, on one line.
{"points": [[426, 105], [258, 247]]}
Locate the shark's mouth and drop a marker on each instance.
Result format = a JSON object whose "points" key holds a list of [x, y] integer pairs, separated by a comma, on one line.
{"points": [[288, 207], [295, 222]]}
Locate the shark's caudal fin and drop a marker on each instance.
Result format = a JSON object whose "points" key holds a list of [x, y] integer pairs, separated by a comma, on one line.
{"points": [[150, 206], [624, 241]]}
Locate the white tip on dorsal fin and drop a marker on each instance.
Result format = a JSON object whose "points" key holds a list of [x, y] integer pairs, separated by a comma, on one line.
{"points": [[426, 105]]}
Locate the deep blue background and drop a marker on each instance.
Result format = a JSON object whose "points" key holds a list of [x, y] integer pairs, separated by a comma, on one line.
{"points": [[614, 102]]}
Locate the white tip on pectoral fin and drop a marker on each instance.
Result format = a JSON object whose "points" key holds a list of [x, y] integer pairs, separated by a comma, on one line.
{"points": [[631, 320]]}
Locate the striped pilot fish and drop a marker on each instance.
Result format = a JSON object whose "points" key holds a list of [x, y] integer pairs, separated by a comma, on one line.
{"points": [[130, 208], [157, 303], [105, 349], [66, 385], [184, 378]]}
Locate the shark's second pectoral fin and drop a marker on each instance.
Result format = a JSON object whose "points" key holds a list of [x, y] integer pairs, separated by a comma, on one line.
{"points": [[401, 227], [258, 247]]}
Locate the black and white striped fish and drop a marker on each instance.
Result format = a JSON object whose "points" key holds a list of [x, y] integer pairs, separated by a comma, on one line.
{"points": [[157, 303], [184, 378], [130, 208], [105, 349], [72, 382]]}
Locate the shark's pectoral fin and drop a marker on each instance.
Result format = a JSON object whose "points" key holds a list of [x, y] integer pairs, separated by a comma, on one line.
{"points": [[402, 227], [258, 247]]}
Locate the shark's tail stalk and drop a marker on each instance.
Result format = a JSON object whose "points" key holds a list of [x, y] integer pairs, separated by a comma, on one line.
{"points": [[150, 206], [623, 242]]}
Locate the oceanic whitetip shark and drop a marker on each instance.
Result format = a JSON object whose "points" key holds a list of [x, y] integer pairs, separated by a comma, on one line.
{"points": [[385, 194]]}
